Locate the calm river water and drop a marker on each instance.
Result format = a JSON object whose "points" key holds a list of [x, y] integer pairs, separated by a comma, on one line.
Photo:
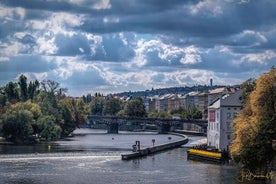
{"points": [[94, 157]]}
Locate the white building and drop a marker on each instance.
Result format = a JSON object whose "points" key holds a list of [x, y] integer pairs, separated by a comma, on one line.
{"points": [[220, 116]]}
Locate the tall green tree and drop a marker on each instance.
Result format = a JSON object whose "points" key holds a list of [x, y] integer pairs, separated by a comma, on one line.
{"points": [[23, 87], [81, 112], [66, 109], [33, 89], [255, 127], [3, 100], [12, 92]]}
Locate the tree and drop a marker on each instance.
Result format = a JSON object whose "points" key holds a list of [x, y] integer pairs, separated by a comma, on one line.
{"points": [[17, 126], [33, 89], [247, 87], [11, 91], [23, 87], [191, 112], [135, 108], [97, 105], [48, 103], [73, 114], [53, 87], [112, 106], [3, 100], [254, 128], [47, 129], [81, 112]]}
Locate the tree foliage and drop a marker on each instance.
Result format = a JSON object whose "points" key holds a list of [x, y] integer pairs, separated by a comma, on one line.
{"points": [[11, 91], [135, 108], [188, 113], [97, 105], [47, 128], [155, 114], [29, 113], [23, 87], [255, 127], [247, 87], [17, 123], [112, 106]]}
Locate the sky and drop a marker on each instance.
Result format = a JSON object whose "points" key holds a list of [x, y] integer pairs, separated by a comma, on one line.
{"points": [[111, 46]]}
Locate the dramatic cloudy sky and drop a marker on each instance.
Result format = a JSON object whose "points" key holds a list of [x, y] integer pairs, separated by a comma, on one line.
{"points": [[128, 45]]}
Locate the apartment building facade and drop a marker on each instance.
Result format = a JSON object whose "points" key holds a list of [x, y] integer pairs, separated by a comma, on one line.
{"points": [[220, 117]]}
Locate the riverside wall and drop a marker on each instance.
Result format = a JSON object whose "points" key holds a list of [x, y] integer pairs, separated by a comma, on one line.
{"points": [[154, 149]]}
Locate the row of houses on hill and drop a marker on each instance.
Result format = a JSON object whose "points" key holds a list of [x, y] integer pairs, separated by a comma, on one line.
{"points": [[199, 99], [219, 106]]}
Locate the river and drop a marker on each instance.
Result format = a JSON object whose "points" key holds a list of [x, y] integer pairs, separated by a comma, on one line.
{"points": [[91, 156]]}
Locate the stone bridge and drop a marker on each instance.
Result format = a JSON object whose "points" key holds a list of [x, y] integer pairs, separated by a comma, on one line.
{"points": [[164, 124]]}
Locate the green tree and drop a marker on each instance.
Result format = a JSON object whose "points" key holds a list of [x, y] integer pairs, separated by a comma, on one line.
{"points": [[48, 103], [135, 108], [190, 113], [155, 114], [81, 112], [23, 87], [247, 87], [97, 105], [33, 89], [3, 100], [254, 128], [74, 113], [11, 91], [47, 129], [17, 126], [112, 106]]}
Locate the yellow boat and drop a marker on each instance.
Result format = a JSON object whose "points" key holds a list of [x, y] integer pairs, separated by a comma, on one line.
{"points": [[204, 155]]}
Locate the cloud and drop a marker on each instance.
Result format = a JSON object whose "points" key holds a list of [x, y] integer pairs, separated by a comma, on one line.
{"points": [[122, 45], [71, 45], [115, 47], [26, 63]]}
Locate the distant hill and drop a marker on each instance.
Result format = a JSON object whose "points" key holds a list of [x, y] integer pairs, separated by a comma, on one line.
{"points": [[163, 91]]}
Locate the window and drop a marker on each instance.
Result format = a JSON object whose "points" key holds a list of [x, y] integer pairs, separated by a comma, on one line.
{"points": [[235, 114], [228, 125], [212, 115], [228, 115], [228, 136]]}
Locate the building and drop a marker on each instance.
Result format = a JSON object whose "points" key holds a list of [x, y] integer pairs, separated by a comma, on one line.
{"points": [[173, 102], [218, 93], [220, 116]]}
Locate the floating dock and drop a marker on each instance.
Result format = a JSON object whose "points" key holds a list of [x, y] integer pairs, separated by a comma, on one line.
{"points": [[154, 149]]}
